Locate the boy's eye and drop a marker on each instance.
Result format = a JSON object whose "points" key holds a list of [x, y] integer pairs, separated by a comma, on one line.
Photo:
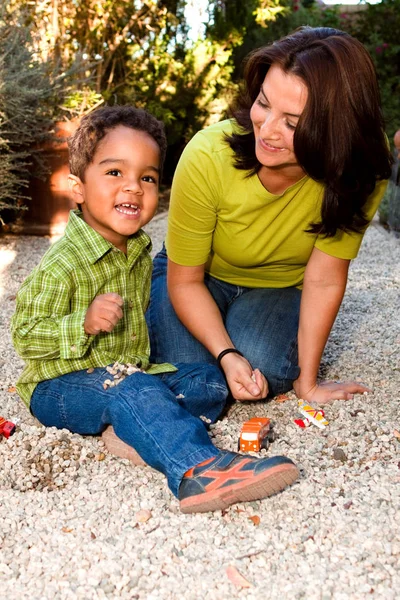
{"points": [[114, 173], [149, 179]]}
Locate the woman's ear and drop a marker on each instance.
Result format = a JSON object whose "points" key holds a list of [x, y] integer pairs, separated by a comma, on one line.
{"points": [[75, 186]]}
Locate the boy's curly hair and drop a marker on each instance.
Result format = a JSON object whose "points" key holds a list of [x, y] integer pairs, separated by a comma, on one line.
{"points": [[94, 127]]}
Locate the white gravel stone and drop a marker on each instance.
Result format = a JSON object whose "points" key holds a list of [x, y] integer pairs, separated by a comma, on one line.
{"points": [[69, 526]]}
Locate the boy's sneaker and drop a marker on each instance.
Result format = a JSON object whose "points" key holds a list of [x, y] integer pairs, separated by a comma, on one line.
{"points": [[117, 447], [230, 477]]}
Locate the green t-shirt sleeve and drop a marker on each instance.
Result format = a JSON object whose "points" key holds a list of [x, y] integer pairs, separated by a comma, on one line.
{"points": [[194, 204], [346, 245]]}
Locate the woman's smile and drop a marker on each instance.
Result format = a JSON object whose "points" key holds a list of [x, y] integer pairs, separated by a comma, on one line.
{"points": [[269, 147]]}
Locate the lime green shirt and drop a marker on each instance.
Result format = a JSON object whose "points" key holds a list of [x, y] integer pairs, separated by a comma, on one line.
{"points": [[244, 234], [47, 327]]}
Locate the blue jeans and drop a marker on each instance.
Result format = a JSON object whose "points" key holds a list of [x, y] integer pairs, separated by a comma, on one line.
{"points": [[143, 409], [261, 322]]}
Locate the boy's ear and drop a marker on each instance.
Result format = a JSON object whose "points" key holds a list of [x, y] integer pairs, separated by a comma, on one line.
{"points": [[75, 186]]}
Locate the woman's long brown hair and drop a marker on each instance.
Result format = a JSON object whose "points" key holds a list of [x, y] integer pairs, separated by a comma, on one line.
{"points": [[339, 140]]}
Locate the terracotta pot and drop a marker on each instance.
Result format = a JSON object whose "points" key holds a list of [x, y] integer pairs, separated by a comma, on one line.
{"points": [[396, 140], [50, 205]]}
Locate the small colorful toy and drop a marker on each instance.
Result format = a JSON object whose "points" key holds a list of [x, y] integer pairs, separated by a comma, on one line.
{"points": [[303, 423], [313, 415], [6, 427], [256, 434]]}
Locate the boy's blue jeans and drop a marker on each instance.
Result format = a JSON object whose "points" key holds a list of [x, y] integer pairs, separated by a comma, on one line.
{"points": [[143, 409], [261, 322]]}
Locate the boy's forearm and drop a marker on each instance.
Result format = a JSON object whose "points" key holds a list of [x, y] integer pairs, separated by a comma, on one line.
{"points": [[43, 326], [51, 338]]}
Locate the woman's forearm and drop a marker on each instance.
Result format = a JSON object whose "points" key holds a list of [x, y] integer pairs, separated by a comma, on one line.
{"points": [[319, 307], [198, 311], [324, 286]]}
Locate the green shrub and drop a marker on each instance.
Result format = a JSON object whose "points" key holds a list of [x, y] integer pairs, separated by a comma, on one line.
{"points": [[25, 120], [34, 92], [378, 28]]}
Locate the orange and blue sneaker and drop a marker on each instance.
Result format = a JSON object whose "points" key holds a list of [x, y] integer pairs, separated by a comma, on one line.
{"points": [[230, 477]]}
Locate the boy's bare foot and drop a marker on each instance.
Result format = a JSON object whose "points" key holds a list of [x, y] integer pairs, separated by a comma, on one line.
{"points": [[117, 447]]}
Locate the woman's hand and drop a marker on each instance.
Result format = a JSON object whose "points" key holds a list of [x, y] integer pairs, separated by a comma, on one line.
{"points": [[244, 382], [328, 391]]}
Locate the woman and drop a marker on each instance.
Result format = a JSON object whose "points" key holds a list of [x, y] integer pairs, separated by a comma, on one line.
{"points": [[267, 210]]}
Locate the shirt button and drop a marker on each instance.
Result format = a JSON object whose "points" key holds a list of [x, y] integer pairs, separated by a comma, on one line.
{"points": [[73, 348], [130, 304], [115, 250], [133, 337]]}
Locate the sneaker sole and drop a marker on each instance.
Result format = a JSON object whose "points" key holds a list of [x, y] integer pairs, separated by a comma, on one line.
{"points": [[261, 486], [117, 447]]}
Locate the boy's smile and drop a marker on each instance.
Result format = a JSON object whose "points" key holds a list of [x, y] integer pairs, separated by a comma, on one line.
{"points": [[119, 194]]}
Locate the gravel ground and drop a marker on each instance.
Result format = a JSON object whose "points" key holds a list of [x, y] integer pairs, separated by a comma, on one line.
{"points": [[76, 522]]}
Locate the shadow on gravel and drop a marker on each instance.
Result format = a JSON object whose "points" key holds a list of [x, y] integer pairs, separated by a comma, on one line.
{"points": [[19, 255]]}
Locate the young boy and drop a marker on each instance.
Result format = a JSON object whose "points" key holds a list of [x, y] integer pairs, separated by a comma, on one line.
{"points": [[82, 309]]}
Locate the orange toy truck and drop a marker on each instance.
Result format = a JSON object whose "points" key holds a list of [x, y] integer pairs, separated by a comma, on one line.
{"points": [[256, 434]]}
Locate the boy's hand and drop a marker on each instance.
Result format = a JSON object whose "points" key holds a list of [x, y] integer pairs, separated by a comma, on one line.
{"points": [[103, 314]]}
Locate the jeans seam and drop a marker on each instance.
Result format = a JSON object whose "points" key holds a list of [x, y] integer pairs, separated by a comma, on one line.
{"points": [[291, 353], [59, 399], [239, 292], [154, 344], [174, 466], [216, 386], [63, 412]]}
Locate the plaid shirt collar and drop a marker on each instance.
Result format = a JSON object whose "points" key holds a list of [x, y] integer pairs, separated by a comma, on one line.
{"points": [[94, 246]]}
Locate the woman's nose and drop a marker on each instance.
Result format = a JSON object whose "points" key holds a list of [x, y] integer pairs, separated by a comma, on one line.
{"points": [[269, 124]]}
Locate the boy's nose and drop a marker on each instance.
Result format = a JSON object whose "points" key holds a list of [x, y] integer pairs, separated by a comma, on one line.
{"points": [[133, 187]]}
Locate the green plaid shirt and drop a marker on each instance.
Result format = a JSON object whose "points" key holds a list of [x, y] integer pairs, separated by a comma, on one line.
{"points": [[47, 326]]}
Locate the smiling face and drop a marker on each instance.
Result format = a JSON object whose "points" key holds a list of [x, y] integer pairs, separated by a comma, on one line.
{"points": [[120, 192], [275, 115]]}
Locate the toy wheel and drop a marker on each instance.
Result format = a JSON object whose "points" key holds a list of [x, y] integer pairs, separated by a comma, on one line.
{"points": [[265, 443], [272, 436], [238, 444]]}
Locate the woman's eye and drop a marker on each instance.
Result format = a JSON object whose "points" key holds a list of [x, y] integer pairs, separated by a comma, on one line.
{"points": [[290, 126], [114, 173], [261, 103]]}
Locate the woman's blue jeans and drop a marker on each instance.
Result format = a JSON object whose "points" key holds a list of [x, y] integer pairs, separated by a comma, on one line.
{"points": [[261, 322], [158, 415]]}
